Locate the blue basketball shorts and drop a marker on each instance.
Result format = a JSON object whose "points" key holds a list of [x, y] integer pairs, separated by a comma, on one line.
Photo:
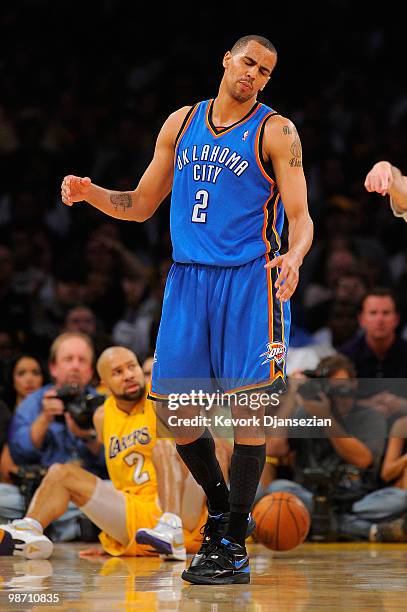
{"points": [[222, 329]]}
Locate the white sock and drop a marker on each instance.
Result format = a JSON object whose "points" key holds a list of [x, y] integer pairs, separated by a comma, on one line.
{"points": [[173, 519], [37, 526]]}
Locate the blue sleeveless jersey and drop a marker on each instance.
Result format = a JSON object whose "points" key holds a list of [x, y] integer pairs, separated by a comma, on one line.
{"points": [[225, 209]]}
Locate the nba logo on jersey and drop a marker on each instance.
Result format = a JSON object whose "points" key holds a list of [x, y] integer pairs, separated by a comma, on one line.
{"points": [[275, 352], [245, 135]]}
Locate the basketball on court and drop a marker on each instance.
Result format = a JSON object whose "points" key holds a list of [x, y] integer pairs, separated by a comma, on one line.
{"points": [[282, 521]]}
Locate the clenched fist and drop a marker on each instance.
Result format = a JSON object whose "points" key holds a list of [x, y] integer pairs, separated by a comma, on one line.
{"points": [[380, 178], [74, 189]]}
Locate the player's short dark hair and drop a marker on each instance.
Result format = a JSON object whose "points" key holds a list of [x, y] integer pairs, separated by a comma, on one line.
{"points": [[242, 42]]}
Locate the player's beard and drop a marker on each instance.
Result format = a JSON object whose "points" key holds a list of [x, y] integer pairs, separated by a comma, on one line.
{"points": [[131, 397]]}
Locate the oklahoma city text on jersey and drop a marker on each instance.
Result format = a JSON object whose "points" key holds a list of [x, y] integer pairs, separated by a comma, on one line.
{"points": [[220, 158]]}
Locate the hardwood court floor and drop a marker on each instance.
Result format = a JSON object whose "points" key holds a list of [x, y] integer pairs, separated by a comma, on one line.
{"points": [[359, 577]]}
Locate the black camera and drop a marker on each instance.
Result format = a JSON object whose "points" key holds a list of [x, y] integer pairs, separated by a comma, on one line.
{"points": [[80, 404], [320, 383], [324, 524], [28, 478], [335, 493]]}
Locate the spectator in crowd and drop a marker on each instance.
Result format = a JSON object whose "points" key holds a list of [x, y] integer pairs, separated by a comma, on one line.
{"points": [[27, 277], [344, 457], [82, 319], [338, 262], [106, 262], [9, 348], [341, 325], [133, 329], [49, 315], [101, 289], [394, 468], [394, 473], [42, 433], [26, 375], [15, 313], [349, 288], [379, 353]]}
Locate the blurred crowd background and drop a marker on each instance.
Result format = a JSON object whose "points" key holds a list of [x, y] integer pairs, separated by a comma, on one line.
{"points": [[85, 88]]}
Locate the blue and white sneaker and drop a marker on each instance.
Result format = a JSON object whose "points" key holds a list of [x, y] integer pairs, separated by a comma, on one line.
{"points": [[213, 531], [225, 563], [167, 537]]}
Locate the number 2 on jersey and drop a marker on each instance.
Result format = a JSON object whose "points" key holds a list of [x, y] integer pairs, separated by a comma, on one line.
{"points": [[201, 202], [137, 459]]}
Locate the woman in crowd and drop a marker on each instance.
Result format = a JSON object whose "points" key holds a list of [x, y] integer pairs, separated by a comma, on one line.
{"points": [[26, 375], [394, 468]]}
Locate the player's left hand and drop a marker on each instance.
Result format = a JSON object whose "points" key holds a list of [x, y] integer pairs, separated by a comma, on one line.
{"points": [[287, 280]]}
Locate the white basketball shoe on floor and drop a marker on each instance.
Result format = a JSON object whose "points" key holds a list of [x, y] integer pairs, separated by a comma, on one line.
{"points": [[167, 537], [20, 538]]}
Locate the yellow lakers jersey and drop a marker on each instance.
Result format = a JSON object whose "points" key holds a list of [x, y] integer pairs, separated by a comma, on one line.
{"points": [[129, 440]]}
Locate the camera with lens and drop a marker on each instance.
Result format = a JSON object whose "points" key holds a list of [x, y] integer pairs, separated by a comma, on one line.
{"points": [[80, 404], [28, 478], [319, 383], [335, 492], [324, 524]]}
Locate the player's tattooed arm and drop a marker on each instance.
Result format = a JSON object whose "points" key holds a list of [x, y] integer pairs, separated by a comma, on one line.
{"points": [[296, 150], [282, 143], [121, 201]]}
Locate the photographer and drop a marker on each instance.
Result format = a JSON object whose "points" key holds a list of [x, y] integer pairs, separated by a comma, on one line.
{"points": [[337, 465], [43, 432]]}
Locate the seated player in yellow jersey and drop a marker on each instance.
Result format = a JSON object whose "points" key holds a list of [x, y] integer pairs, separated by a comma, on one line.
{"points": [[148, 491]]}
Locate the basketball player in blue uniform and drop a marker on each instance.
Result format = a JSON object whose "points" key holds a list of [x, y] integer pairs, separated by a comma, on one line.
{"points": [[234, 166]]}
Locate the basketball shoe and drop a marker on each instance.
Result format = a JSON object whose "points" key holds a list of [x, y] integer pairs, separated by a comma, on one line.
{"points": [[213, 531], [167, 537], [20, 538], [225, 563]]}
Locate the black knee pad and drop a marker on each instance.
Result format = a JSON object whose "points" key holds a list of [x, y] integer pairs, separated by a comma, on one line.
{"points": [[246, 468]]}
